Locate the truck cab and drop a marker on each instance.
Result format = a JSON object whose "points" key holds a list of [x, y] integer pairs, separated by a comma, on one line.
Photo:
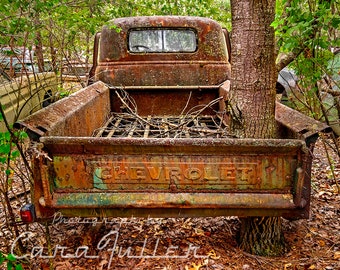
{"points": [[162, 51]]}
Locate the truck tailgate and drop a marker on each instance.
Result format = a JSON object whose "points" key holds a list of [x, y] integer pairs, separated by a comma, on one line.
{"points": [[136, 176]]}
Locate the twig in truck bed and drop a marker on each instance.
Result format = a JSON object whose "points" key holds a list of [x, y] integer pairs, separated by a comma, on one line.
{"points": [[190, 125], [127, 125]]}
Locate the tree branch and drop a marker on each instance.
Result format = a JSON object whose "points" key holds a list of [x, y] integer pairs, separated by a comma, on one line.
{"points": [[284, 59]]}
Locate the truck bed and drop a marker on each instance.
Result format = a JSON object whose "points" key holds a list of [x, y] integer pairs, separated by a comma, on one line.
{"points": [[152, 165], [186, 126]]}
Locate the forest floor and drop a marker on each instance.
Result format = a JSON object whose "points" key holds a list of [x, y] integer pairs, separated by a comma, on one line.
{"points": [[189, 243]]}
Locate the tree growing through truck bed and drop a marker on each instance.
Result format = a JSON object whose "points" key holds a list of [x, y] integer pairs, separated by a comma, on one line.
{"points": [[252, 104]]}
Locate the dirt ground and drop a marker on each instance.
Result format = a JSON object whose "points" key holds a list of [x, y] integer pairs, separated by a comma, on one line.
{"points": [[189, 243]]}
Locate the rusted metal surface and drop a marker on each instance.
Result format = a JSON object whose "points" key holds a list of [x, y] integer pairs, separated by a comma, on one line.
{"points": [[153, 140], [298, 124], [170, 200], [208, 65], [175, 172], [78, 115], [174, 101], [136, 169], [157, 172], [102, 146], [165, 100], [161, 173]]}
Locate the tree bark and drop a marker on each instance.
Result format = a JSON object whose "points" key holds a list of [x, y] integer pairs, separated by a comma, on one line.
{"points": [[252, 104], [262, 236], [253, 69], [38, 45], [53, 51]]}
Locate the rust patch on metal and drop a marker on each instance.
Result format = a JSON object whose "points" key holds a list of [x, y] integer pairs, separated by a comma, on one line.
{"points": [[207, 66], [174, 173], [87, 108], [169, 200], [298, 123]]}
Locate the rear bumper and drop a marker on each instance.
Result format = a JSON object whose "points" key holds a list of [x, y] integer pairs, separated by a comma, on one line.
{"points": [[177, 205]]}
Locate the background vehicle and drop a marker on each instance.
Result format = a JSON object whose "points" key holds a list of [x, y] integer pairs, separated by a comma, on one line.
{"points": [[323, 105], [24, 95]]}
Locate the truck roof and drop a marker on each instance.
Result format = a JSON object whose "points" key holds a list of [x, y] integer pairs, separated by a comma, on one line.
{"points": [[211, 41]]}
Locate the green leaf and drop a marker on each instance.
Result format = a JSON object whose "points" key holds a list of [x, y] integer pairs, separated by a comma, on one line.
{"points": [[11, 258], [19, 267], [335, 22], [10, 265], [2, 258], [15, 154], [5, 149], [22, 135]]}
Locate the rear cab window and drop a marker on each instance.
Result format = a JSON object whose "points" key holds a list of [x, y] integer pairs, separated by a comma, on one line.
{"points": [[162, 40]]}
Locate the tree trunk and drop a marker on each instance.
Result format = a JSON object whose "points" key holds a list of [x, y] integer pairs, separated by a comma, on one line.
{"points": [[53, 51], [262, 236], [38, 45], [252, 104], [253, 69]]}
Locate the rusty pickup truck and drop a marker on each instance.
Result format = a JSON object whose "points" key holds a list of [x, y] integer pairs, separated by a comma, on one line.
{"points": [[149, 135]]}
